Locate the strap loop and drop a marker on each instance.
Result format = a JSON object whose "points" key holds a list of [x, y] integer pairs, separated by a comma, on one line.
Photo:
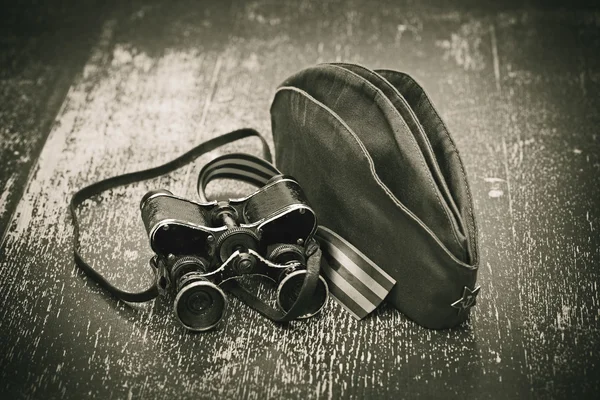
{"points": [[120, 180]]}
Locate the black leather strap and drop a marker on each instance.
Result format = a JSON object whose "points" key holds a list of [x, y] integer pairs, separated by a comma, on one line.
{"points": [[96, 188], [306, 291]]}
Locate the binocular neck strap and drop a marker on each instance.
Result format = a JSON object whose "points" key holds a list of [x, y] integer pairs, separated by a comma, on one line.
{"points": [[120, 180], [306, 291]]}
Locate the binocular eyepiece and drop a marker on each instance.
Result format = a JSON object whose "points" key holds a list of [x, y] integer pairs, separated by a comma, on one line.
{"points": [[290, 281], [199, 304], [199, 247]]}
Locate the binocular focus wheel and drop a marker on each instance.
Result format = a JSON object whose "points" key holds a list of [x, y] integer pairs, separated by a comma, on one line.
{"points": [[187, 264], [234, 239], [289, 289], [200, 305], [286, 253]]}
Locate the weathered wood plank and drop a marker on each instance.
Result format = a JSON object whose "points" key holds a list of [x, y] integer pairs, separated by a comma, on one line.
{"points": [[39, 58], [519, 90]]}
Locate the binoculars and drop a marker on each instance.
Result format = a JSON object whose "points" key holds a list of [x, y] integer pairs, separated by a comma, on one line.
{"points": [[199, 247]]}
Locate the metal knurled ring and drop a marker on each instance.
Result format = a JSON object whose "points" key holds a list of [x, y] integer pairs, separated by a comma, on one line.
{"points": [[234, 237]]}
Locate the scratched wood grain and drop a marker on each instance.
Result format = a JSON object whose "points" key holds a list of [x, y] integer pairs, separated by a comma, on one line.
{"points": [[38, 59], [519, 89]]}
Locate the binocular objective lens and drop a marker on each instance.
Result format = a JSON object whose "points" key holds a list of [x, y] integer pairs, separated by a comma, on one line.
{"points": [[289, 289], [200, 305], [199, 302]]}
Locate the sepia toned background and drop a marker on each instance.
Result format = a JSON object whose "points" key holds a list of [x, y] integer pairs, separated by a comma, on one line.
{"points": [[91, 89]]}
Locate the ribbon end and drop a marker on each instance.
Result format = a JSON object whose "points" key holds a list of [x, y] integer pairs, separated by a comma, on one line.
{"points": [[355, 282]]}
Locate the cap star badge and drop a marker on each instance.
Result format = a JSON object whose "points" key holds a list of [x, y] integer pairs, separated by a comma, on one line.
{"points": [[467, 300]]}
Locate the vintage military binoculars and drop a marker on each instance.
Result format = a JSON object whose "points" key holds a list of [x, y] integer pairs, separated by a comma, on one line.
{"points": [[199, 247]]}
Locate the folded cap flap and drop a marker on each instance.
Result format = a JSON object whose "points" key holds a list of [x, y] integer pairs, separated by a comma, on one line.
{"points": [[397, 157], [445, 150], [394, 95]]}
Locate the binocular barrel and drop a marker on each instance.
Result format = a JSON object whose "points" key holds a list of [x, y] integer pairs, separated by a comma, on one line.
{"points": [[199, 303], [289, 289], [290, 281]]}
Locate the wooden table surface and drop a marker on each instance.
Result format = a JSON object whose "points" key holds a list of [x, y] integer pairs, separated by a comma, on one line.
{"points": [[88, 91]]}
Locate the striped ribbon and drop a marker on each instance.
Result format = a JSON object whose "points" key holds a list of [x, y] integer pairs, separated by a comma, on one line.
{"points": [[240, 166], [354, 281]]}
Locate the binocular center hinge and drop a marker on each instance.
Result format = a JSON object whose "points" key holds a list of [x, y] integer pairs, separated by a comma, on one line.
{"points": [[234, 239], [225, 214]]}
